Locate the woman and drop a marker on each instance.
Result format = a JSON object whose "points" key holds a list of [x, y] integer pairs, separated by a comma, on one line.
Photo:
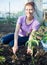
{"points": [[25, 27]]}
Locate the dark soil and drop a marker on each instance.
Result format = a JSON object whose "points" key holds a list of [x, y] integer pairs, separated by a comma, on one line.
{"points": [[22, 57]]}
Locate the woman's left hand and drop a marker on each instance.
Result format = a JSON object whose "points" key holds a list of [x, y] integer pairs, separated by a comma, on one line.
{"points": [[29, 51]]}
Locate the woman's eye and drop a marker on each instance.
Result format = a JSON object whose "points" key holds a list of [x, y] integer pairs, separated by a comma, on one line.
{"points": [[29, 9]]}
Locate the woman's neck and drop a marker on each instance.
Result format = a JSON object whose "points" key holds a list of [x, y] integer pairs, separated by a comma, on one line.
{"points": [[29, 18]]}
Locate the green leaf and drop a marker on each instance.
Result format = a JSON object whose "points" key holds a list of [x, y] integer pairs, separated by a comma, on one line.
{"points": [[2, 59], [1, 50], [32, 43]]}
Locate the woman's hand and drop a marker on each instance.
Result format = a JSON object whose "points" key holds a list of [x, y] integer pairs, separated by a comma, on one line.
{"points": [[29, 51], [15, 48]]}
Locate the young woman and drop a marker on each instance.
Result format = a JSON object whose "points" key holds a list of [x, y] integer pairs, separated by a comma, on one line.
{"points": [[25, 28]]}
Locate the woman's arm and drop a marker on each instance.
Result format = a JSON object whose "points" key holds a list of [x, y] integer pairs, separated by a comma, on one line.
{"points": [[15, 47], [30, 38], [18, 25], [32, 34], [16, 34]]}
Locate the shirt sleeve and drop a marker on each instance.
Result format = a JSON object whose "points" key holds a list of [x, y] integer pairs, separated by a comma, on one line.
{"points": [[19, 21], [36, 26]]}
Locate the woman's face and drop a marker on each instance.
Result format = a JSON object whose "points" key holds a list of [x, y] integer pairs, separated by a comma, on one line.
{"points": [[29, 10]]}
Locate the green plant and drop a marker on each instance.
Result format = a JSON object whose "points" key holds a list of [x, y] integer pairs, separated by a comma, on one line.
{"points": [[32, 44], [2, 59], [1, 50], [44, 38]]}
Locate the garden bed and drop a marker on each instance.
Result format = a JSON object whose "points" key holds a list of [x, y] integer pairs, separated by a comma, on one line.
{"points": [[22, 57]]}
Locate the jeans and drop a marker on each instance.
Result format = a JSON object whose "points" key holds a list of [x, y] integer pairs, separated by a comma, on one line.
{"points": [[9, 39]]}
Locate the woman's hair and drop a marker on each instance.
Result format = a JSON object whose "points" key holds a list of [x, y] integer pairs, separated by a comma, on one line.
{"points": [[30, 3]]}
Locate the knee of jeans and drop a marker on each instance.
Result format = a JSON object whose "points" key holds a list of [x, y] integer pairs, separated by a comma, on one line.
{"points": [[11, 43], [7, 38], [4, 40], [1, 41]]}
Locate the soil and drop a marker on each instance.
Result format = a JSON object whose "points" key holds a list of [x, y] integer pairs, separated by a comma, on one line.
{"points": [[21, 57]]}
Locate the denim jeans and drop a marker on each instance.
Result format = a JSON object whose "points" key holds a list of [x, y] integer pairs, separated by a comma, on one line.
{"points": [[9, 39]]}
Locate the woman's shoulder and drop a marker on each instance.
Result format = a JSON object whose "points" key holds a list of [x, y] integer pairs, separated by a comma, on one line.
{"points": [[36, 21], [21, 19]]}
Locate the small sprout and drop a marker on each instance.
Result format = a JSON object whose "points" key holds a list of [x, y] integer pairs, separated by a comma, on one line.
{"points": [[2, 59], [1, 50]]}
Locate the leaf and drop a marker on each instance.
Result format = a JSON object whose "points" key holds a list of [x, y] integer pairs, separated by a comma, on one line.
{"points": [[2, 59], [1, 50], [32, 43]]}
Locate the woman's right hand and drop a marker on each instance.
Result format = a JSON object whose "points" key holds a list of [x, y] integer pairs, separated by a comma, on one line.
{"points": [[15, 48]]}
